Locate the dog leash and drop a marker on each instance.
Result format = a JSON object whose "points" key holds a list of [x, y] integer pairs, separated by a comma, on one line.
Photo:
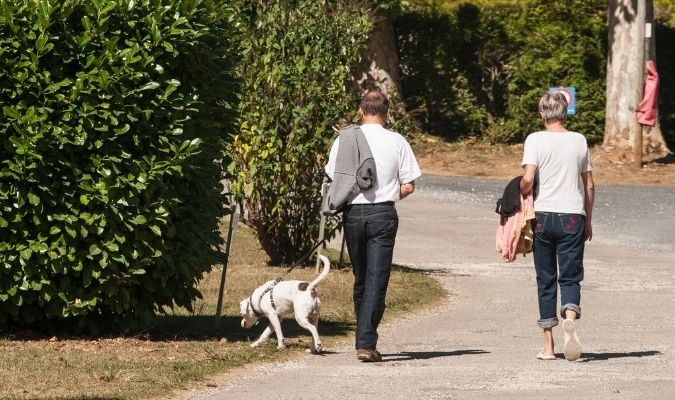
{"points": [[288, 271], [306, 256]]}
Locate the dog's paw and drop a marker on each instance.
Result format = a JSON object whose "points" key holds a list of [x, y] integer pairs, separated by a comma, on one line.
{"points": [[254, 345], [315, 349]]}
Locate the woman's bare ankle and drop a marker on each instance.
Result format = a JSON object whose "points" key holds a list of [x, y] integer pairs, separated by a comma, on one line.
{"points": [[549, 344]]}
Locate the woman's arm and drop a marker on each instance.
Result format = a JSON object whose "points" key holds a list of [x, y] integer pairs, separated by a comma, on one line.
{"points": [[528, 179], [589, 199]]}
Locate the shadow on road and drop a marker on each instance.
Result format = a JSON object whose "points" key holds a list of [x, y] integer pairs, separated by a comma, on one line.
{"points": [[669, 159], [587, 357], [425, 355]]}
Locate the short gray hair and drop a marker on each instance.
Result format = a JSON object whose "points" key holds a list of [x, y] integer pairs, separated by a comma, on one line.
{"points": [[375, 103], [553, 107]]}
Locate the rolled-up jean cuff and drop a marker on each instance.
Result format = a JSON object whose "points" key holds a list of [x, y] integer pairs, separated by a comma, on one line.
{"points": [[570, 306], [547, 323]]}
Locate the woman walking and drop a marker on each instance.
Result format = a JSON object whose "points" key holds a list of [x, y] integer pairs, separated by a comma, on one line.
{"points": [[563, 208]]}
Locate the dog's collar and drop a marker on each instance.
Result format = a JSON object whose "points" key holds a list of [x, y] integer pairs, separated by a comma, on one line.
{"points": [[250, 305]]}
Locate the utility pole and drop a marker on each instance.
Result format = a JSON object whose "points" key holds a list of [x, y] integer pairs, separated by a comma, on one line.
{"points": [[228, 247], [637, 134]]}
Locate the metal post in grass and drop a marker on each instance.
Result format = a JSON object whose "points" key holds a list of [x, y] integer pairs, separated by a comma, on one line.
{"points": [[221, 290], [322, 222]]}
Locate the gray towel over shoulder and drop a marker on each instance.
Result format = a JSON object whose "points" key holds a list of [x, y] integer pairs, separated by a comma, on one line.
{"points": [[354, 169]]}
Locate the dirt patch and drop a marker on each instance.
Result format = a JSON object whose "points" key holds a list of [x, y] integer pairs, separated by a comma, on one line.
{"points": [[478, 159]]}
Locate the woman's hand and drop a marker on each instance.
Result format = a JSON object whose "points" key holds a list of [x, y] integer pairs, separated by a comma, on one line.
{"points": [[527, 180], [589, 200]]}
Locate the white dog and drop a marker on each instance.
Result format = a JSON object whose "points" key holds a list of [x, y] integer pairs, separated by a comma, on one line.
{"points": [[284, 298]]}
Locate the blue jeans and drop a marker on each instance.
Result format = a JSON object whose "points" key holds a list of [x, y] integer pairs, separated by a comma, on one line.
{"points": [[370, 232], [558, 260]]}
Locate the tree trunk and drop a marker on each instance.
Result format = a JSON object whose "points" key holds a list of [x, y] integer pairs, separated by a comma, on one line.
{"points": [[626, 38], [379, 65], [379, 69], [625, 78]]}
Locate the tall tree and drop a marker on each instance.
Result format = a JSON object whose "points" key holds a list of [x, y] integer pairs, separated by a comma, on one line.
{"points": [[625, 77]]}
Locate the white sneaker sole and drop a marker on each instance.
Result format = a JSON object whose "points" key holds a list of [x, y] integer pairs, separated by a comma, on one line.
{"points": [[572, 345]]}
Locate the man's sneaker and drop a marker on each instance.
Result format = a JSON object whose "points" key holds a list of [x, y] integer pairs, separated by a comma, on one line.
{"points": [[572, 345], [368, 355]]}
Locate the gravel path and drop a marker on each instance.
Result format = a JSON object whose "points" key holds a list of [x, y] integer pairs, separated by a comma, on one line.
{"points": [[481, 343]]}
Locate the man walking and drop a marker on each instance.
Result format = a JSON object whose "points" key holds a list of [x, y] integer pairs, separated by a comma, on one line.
{"points": [[371, 221]]}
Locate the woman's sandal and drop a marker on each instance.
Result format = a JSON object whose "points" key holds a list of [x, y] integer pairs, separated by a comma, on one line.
{"points": [[572, 345], [542, 356]]}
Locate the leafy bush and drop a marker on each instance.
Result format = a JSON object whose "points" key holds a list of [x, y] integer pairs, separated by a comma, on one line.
{"points": [[481, 68], [112, 112], [453, 68], [562, 43], [298, 61]]}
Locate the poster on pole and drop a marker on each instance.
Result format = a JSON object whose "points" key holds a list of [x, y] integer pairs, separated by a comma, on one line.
{"points": [[570, 94]]}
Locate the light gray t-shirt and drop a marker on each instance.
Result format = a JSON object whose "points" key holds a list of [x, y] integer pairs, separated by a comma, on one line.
{"points": [[560, 158]]}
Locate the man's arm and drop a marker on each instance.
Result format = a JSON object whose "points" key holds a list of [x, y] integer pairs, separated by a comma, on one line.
{"points": [[406, 189], [527, 181], [329, 169], [589, 199]]}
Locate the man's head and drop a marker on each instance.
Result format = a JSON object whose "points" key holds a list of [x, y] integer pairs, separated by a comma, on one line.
{"points": [[553, 107], [374, 106]]}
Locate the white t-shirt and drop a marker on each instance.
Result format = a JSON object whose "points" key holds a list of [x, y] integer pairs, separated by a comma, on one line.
{"points": [[560, 158], [394, 161]]}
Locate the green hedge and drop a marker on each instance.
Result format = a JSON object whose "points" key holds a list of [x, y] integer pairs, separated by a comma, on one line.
{"points": [[299, 57], [480, 69], [112, 113]]}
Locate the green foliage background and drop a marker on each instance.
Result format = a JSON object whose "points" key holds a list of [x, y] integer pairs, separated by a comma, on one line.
{"points": [[116, 117], [479, 68], [299, 58], [112, 117]]}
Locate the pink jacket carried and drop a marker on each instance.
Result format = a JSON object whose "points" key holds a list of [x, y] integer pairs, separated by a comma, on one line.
{"points": [[514, 233], [649, 106]]}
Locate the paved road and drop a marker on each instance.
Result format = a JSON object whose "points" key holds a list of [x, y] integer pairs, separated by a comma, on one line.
{"points": [[481, 343]]}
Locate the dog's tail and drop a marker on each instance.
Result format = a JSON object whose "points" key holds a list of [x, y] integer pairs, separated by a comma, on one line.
{"points": [[323, 275]]}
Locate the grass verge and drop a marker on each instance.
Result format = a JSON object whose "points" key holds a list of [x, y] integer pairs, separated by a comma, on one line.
{"points": [[182, 348]]}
